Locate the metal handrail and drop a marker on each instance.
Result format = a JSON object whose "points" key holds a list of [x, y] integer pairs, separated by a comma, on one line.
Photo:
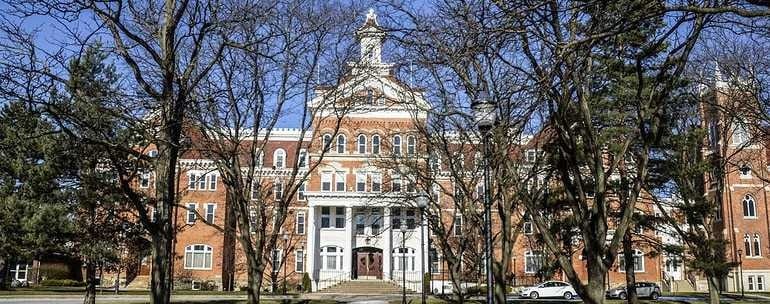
{"points": [[337, 277]]}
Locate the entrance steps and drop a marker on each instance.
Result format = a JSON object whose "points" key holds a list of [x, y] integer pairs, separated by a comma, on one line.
{"points": [[370, 287], [681, 286]]}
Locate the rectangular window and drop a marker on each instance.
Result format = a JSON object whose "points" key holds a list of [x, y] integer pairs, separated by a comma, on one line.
{"points": [[395, 215], [527, 228], [144, 180], [751, 283], [458, 225], [331, 262], [410, 187], [532, 262], [326, 181], [361, 182], [299, 261], [278, 189], [202, 181], [325, 217], [360, 223], [340, 181], [531, 156], [411, 145], [254, 190], [210, 208], [191, 216], [212, 182], [300, 223], [301, 191], [410, 219], [376, 221], [395, 183], [376, 182], [252, 220], [303, 159], [192, 179], [339, 217], [761, 283], [277, 259]]}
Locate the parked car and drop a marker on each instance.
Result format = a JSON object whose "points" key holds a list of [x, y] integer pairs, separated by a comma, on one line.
{"points": [[550, 289], [643, 290], [446, 287]]}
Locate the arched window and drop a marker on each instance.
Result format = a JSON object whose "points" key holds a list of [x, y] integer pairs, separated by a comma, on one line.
{"points": [[375, 144], [747, 244], [397, 145], [326, 142], [757, 249], [331, 258], [198, 256], [259, 159], [744, 170], [361, 144], [749, 206], [369, 96], [404, 259], [279, 158], [411, 145], [341, 141]]}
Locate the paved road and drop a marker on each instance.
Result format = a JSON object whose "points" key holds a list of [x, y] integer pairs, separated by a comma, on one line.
{"points": [[77, 299]]}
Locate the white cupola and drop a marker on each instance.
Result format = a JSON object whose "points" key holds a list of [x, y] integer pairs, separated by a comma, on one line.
{"points": [[370, 36]]}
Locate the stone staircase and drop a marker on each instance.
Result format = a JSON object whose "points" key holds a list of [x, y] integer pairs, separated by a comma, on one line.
{"points": [[681, 286], [370, 287]]}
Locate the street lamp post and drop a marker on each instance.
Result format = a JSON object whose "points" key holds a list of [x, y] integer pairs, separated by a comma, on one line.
{"points": [[740, 271], [403, 261], [485, 116], [422, 203]]}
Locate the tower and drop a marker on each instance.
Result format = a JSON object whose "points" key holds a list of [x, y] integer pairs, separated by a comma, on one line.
{"points": [[370, 37]]}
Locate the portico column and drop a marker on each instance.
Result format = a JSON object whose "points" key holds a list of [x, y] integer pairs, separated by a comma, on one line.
{"points": [[348, 255], [312, 249], [387, 250]]}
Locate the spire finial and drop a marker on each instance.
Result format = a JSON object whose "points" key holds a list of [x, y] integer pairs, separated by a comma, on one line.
{"points": [[371, 16]]}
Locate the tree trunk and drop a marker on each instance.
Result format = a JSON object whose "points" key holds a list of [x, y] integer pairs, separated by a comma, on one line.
{"points": [[255, 279], [500, 282], [594, 291], [713, 289], [90, 297], [228, 250], [160, 293], [4, 274], [628, 256]]}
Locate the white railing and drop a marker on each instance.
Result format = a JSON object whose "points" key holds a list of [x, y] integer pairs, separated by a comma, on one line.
{"points": [[329, 278], [413, 279]]}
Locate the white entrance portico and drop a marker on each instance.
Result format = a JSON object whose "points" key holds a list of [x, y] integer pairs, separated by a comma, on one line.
{"points": [[352, 236]]}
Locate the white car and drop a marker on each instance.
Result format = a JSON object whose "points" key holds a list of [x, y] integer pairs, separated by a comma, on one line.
{"points": [[550, 289]]}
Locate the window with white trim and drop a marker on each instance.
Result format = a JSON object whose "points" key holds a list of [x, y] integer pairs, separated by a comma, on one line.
{"points": [[395, 183], [153, 153], [278, 189], [533, 261], [198, 256], [436, 193], [303, 160], [339, 181], [404, 215], [202, 181], [531, 155], [375, 144], [210, 212], [326, 142], [326, 181], [361, 182], [376, 182], [299, 223], [361, 144], [276, 259], [457, 226], [341, 142], [404, 259], [435, 162], [326, 217], [279, 158], [740, 134], [360, 223], [760, 283], [19, 272], [396, 145], [144, 180], [299, 261], [757, 249], [259, 159], [339, 217], [749, 206], [750, 284], [638, 262], [255, 187], [301, 190], [331, 258], [411, 145], [527, 226], [191, 215], [410, 186]]}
